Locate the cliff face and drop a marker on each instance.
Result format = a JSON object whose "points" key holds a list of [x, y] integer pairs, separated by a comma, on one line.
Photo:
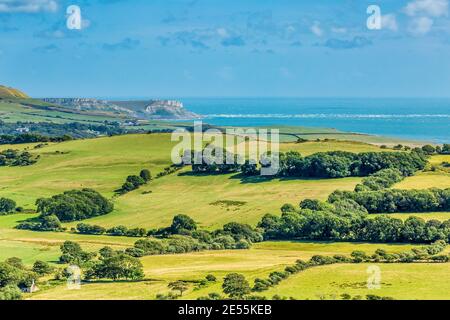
{"points": [[86, 104], [169, 110]]}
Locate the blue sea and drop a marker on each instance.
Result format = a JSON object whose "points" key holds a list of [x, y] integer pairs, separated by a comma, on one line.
{"points": [[417, 119]]}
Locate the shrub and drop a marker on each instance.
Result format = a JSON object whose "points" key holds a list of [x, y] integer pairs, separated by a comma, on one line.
{"points": [[75, 205], [90, 229], [42, 268], [7, 205]]}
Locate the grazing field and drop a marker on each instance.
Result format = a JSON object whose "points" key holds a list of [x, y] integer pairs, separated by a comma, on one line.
{"points": [[104, 163], [441, 216], [425, 180], [212, 200], [428, 179], [422, 281], [259, 261], [31, 246], [308, 148]]}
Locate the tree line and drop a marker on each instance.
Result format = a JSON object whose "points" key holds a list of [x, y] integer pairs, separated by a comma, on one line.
{"points": [[346, 220], [333, 164], [31, 138], [47, 131], [394, 200], [133, 182]]}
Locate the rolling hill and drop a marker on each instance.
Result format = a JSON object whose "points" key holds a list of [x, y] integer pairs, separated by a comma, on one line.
{"points": [[11, 93]]}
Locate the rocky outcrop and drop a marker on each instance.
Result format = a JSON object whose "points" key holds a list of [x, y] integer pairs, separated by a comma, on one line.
{"points": [[169, 110], [87, 104]]}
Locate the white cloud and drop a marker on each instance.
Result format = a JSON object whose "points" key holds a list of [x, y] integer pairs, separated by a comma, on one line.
{"points": [[432, 8], [315, 28], [28, 6], [420, 26], [389, 21]]}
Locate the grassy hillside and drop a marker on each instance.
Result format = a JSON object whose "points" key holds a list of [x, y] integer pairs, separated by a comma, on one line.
{"points": [[6, 92], [259, 261], [104, 163], [31, 110], [397, 281]]}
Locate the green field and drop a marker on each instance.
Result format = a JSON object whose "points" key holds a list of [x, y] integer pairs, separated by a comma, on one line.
{"points": [[259, 261], [104, 163], [423, 180], [441, 216], [397, 280]]}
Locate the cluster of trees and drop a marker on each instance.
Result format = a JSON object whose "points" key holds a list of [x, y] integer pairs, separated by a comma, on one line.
{"points": [[16, 158], [106, 264], [123, 231], [346, 220], [335, 164], [115, 265], [339, 164], [430, 150], [133, 182], [182, 236], [74, 205], [7, 206], [42, 223], [169, 170], [46, 131], [215, 161], [69, 206], [392, 200], [15, 277], [380, 180], [31, 138]]}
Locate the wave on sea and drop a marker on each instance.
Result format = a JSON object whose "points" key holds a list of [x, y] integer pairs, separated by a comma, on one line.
{"points": [[329, 116]]}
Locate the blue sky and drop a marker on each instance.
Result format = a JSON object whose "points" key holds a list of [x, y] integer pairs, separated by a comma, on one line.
{"points": [[180, 48]]}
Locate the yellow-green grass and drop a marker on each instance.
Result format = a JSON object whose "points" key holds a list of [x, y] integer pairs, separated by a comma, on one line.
{"points": [[441, 216], [428, 179], [31, 246], [197, 196], [400, 281], [308, 148], [7, 92], [438, 159], [259, 261], [102, 164], [425, 180]]}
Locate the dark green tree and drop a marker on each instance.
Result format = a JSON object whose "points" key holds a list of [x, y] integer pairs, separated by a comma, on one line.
{"points": [[179, 286], [235, 286]]}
